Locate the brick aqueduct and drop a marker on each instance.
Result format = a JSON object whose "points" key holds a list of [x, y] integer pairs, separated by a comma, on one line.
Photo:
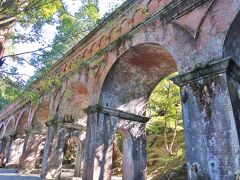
{"points": [[106, 80]]}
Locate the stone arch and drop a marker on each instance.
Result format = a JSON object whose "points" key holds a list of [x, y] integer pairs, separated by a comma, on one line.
{"points": [[22, 122], [79, 157], [127, 87], [41, 116], [164, 34], [138, 17], [78, 154], [153, 6], [75, 98], [142, 66], [94, 48], [64, 68], [86, 53], [10, 127], [114, 34], [103, 42], [125, 26]]}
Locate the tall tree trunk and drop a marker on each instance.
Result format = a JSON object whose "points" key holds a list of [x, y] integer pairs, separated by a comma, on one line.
{"points": [[169, 146], [5, 29]]}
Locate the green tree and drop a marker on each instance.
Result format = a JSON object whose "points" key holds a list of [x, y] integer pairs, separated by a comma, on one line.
{"points": [[165, 106], [9, 91], [34, 14], [70, 29]]}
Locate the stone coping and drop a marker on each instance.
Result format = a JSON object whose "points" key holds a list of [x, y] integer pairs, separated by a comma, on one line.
{"points": [[117, 113], [67, 123], [225, 65]]}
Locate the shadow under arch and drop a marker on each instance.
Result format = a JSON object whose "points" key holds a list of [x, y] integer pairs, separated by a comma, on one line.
{"points": [[231, 46], [22, 122], [134, 75], [41, 116], [2, 128], [10, 127], [79, 157]]}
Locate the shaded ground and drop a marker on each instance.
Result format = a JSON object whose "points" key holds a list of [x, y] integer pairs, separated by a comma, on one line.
{"points": [[162, 166], [11, 174]]}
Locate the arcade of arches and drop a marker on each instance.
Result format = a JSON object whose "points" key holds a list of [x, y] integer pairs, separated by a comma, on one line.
{"points": [[106, 81]]}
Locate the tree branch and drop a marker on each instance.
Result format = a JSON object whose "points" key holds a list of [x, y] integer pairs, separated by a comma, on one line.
{"points": [[40, 49]]}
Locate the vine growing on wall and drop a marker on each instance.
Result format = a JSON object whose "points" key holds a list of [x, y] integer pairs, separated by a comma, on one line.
{"points": [[33, 97], [45, 86]]}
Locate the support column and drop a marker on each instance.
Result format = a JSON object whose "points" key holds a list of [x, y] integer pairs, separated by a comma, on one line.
{"points": [[98, 147], [134, 152], [3, 144], [30, 154], [101, 128], [7, 150], [53, 150], [79, 157], [210, 99], [16, 150]]}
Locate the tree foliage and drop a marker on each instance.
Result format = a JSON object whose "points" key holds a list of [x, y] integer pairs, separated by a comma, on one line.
{"points": [[70, 28], [33, 15], [9, 91], [165, 106]]}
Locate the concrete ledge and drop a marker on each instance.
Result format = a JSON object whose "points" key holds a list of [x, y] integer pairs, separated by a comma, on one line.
{"points": [[65, 122], [226, 65], [72, 126], [117, 113], [33, 131]]}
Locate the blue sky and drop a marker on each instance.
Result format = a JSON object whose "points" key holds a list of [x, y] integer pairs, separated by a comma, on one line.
{"points": [[73, 5]]}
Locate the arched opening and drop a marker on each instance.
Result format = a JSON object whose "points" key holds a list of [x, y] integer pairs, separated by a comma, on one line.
{"points": [[22, 123], [41, 117], [165, 133], [232, 41], [117, 155], [127, 87], [72, 158], [122, 160], [75, 96], [134, 75], [10, 128], [31, 158], [10, 147], [232, 49], [1, 130]]}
